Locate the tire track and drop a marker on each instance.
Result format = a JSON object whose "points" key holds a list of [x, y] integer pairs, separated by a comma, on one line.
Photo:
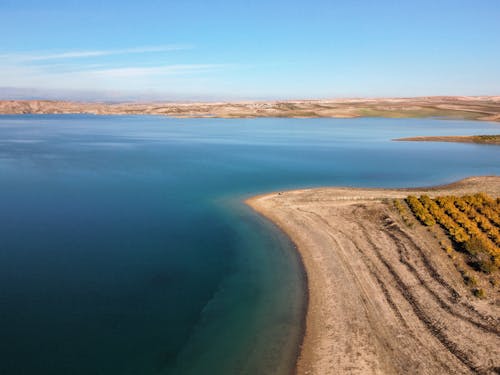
{"points": [[490, 324]]}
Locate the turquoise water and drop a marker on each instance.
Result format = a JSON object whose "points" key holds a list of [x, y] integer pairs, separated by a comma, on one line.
{"points": [[125, 248]]}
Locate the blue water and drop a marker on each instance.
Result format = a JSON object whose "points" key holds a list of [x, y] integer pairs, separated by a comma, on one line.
{"points": [[125, 247]]}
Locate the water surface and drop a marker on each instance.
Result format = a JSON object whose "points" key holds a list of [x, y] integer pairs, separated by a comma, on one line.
{"points": [[125, 248]]}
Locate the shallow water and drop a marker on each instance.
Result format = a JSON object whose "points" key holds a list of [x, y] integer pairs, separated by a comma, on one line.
{"points": [[125, 248]]}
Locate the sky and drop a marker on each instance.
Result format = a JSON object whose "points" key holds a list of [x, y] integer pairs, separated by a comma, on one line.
{"points": [[238, 50]]}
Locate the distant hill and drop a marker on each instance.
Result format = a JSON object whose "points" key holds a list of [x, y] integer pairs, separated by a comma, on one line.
{"points": [[486, 108]]}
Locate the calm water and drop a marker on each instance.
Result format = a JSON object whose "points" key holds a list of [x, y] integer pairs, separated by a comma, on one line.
{"points": [[125, 248]]}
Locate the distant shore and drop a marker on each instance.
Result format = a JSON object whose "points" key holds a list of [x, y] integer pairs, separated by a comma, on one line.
{"points": [[383, 297], [484, 108], [480, 139]]}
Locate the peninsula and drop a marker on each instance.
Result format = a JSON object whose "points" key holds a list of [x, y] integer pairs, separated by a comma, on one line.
{"points": [[481, 139], [385, 297]]}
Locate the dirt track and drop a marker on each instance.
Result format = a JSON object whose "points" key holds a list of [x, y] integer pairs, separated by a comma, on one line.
{"points": [[383, 298]]}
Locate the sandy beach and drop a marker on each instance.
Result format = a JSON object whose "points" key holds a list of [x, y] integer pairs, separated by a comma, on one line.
{"points": [[384, 298]]}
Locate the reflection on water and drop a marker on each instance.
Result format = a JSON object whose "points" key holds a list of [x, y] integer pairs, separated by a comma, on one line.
{"points": [[125, 248]]}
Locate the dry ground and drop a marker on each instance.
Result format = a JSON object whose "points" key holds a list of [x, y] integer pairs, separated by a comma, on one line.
{"points": [[474, 108], [383, 297]]}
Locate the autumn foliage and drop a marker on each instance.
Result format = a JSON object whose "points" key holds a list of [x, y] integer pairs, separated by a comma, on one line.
{"points": [[471, 221]]}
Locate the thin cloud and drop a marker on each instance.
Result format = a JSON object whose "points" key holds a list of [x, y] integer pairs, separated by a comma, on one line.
{"points": [[157, 70], [34, 57], [84, 70], [110, 78]]}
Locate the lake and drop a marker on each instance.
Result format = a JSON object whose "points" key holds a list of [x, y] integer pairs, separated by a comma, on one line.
{"points": [[125, 246]]}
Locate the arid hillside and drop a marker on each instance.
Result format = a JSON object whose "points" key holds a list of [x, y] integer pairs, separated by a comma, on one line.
{"points": [[473, 108]]}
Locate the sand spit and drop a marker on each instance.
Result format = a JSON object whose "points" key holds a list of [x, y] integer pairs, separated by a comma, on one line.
{"points": [[383, 297], [485, 108], [481, 139]]}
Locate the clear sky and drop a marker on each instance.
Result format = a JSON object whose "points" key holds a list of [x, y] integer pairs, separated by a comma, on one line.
{"points": [[212, 49]]}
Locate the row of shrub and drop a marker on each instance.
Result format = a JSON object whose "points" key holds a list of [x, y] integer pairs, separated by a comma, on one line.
{"points": [[482, 222], [469, 221], [456, 232], [485, 205], [485, 253], [420, 211]]}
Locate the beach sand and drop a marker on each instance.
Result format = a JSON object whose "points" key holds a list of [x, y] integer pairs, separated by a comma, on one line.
{"points": [[383, 297]]}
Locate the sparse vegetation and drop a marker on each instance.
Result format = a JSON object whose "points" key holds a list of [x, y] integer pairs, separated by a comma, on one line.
{"points": [[403, 211], [493, 139], [479, 292], [472, 222], [488, 139], [470, 280], [420, 211]]}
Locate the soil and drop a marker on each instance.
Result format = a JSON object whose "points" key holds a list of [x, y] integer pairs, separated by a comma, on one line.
{"points": [[384, 298]]}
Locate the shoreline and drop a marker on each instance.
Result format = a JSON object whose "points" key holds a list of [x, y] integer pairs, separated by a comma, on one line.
{"points": [[304, 276], [356, 308], [482, 108], [476, 139]]}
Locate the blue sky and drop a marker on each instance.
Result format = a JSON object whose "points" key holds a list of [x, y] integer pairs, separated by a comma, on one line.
{"points": [[195, 49]]}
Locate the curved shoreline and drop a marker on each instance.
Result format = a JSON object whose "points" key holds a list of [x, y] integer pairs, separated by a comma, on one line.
{"points": [[304, 277], [361, 297], [253, 204]]}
